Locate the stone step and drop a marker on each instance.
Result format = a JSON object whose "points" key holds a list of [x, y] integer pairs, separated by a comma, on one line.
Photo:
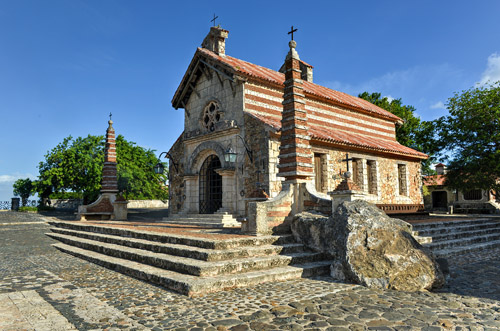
{"points": [[464, 234], [463, 242], [171, 238], [202, 223], [183, 250], [446, 224], [422, 231], [449, 252], [187, 265], [192, 285]]}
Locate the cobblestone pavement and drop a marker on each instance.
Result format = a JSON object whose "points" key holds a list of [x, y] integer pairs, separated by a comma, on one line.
{"points": [[44, 289]]}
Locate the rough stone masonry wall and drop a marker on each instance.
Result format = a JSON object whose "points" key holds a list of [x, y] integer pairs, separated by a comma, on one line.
{"points": [[257, 137], [176, 180], [385, 174], [210, 89]]}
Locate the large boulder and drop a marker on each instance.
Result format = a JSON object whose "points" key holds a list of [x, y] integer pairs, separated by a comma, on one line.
{"points": [[369, 248]]}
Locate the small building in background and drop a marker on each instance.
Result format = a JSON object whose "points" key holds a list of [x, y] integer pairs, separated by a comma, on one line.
{"points": [[440, 198]]}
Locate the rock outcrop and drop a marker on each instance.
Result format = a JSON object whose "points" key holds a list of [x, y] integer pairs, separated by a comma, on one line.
{"points": [[369, 248]]}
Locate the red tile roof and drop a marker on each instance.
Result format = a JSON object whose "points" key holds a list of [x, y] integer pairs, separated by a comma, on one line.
{"points": [[349, 139], [434, 180], [251, 70]]}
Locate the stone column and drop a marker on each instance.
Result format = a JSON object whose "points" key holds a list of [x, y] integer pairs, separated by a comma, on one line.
{"points": [[109, 182], [228, 190], [296, 157], [191, 196]]}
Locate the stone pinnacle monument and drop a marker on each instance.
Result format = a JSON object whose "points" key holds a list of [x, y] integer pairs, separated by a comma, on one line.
{"points": [[108, 205]]}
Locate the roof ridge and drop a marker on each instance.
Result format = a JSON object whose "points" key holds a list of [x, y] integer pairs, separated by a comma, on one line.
{"points": [[314, 89]]}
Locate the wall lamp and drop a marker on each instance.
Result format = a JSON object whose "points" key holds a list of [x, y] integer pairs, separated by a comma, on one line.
{"points": [[159, 168], [230, 155]]}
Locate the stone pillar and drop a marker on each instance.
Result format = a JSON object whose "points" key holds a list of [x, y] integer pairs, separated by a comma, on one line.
{"points": [[347, 190], [228, 190], [15, 202], [191, 196], [296, 157], [109, 182]]}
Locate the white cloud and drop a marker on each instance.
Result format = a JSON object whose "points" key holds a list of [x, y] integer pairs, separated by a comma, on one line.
{"points": [[419, 86], [492, 72], [13, 178], [438, 105], [6, 182], [389, 98], [418, 80], [7, 179]]}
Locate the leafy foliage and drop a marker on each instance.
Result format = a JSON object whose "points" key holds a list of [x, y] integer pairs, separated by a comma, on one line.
{"points": [[23, 188], [74, 167], [136, 179], [413, 133], [471, 136]]}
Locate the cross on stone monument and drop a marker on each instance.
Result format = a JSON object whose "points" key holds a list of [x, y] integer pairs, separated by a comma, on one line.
{"points": [[292, 30], [346, 160], [213, 20]]}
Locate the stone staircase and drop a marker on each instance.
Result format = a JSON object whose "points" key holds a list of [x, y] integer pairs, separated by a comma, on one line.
{"points": [[217, 220], [189, 265], [452, 237]]}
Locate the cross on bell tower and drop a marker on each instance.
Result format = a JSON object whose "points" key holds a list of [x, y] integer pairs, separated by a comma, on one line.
{"points": [[213, 20], [292, 30]]}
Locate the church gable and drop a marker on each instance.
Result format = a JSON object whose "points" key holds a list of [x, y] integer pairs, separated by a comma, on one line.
{"points": [[212, 106]]}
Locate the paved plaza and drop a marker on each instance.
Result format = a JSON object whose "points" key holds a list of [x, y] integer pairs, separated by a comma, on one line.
{"points": [[44, 289]]}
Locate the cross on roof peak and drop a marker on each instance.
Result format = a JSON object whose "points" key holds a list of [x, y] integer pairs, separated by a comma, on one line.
{"points": [[213, 20], [110, 115], [292, 30]]}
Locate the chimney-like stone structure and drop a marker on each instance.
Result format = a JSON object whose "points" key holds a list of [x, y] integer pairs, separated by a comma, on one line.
{"points": [[109, 182], [296, 158], [215, 40]]}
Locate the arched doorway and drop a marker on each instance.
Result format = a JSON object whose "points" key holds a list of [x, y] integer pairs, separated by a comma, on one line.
{"points": [[210, 186]]}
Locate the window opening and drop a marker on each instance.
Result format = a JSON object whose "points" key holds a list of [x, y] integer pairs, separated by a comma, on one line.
{"points": [[211, 115]]}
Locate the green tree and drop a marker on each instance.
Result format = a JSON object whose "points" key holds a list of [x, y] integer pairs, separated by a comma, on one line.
{"points": [[413, 133], [470, 137], [23, 188], [75, 166], [136, 178]]}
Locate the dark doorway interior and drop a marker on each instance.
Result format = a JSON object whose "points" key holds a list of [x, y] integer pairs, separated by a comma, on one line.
{"points": [[210, 186], [439, 199]]}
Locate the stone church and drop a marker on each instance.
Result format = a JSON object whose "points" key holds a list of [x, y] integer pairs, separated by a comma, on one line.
{"points": [[228, 159]]}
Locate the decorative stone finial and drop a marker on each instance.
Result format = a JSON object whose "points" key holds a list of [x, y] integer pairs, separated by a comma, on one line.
{"points": [[292, 54]]}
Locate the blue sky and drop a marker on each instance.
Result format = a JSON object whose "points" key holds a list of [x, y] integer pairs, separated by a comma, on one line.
{"points": [[66, 64]]}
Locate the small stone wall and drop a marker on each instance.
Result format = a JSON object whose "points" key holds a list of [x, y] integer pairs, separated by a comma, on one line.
{"points": [[274, 216], [316, 201], [147, 204], [72, 204], [268, 217], [65, 204]]}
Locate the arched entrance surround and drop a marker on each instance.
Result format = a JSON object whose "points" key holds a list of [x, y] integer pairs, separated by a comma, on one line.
{"points": [[196, 180], [210, 186]]}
